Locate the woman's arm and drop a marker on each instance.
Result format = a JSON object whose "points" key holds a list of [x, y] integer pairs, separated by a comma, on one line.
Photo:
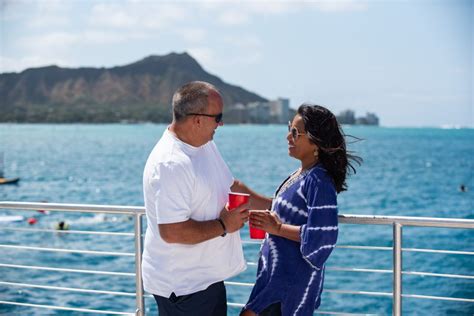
{"points": [[269, 222], [257, 201]]}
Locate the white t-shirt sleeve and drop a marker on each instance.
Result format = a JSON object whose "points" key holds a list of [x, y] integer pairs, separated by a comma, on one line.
{"points": [[173, 185]]}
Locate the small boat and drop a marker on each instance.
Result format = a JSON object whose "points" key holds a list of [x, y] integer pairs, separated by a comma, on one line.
{"points": [[2, 179], [9, 180]]}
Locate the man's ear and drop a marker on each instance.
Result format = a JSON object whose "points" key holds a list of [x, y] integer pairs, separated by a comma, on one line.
{"points": [[197, 120]]}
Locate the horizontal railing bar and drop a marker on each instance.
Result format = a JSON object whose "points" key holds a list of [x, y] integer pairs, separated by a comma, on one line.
{"points": [[239, 305], [358, 292], [238, 283], [419, 273], [72, 309], [343, 218], [440, 298], [85, 232], [93, 252], [406, 221], [364, 247], [66, 207], [451, 252], [70, 289], [5, 265], [341, 313], [386, 294], [440, 275], [358, 270], [458, 276]]}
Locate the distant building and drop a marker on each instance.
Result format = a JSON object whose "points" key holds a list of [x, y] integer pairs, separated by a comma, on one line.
{"points": [[271, 112], [348, 117], [369, 119], [236, 114], [279, 110]]}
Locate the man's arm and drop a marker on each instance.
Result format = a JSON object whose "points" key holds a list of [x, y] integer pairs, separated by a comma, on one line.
{"points": [[193, 232], [257, 201]]}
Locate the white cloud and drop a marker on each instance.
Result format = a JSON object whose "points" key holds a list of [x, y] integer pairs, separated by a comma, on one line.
{"points": [[138, 14], [232, 18], [51, 42], [8, 64], [111, 15], [192, 35], [340, 5], [204, 55]]}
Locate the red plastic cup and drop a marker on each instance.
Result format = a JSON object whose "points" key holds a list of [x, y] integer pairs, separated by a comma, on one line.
{"points": [[237, 199], [256, 233]]}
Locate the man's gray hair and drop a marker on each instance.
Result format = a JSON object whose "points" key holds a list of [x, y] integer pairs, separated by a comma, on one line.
{"points": [[191, 98]]}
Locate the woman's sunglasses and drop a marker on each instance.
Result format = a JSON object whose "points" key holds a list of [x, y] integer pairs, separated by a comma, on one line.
{"points": [[217, 117], [294, 132]]}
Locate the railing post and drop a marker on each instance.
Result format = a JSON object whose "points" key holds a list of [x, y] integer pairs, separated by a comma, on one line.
{"points": [[140, 311], [397, 269]]}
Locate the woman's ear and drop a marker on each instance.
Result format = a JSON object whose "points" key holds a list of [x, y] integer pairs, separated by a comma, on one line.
{"points": [[316, 151]]}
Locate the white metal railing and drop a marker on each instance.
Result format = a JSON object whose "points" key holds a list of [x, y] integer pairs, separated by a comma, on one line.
{"points": [[397, 222]]}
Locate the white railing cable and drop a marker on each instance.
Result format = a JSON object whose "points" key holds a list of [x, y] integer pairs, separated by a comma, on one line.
{"points": [[440, 298], [129, 274], [450, 252], [62, 308], [85, 232], [90, 252], [239, 283], [368, 293], [17, 266], [406, 221], [341, 313], [418, 273], [343, 218], [439, 275], [85, 208], [69, 289]]}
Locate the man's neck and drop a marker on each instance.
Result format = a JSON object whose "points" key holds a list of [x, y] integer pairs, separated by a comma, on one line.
{"points": [[184, 134]]}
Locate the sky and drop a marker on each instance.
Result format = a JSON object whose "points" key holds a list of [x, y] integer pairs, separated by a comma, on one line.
{"points": [[410, 62]]}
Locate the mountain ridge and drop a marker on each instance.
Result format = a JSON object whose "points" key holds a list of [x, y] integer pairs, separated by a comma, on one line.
{"points": [[139, 91]]}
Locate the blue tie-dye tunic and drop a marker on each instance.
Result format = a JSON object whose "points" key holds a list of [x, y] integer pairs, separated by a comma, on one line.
{"points": [[291, 272]]}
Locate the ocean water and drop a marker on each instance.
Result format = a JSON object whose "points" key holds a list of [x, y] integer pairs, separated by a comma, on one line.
{"points": [[407, 172]]}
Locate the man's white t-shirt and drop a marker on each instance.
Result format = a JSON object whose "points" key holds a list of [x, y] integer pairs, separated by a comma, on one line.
{"points": [[182, 182]]}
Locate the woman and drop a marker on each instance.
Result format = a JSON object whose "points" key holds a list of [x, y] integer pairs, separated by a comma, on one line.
{"points": [[302, 227]]}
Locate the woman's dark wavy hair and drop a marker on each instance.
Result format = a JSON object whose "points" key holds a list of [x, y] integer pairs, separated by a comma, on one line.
{"points": [[323, 130]]}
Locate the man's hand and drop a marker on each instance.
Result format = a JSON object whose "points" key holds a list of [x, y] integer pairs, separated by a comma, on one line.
{"points": [[235, 219]]}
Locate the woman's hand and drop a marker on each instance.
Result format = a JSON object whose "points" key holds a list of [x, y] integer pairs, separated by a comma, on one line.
{"points": [[266, 220]]}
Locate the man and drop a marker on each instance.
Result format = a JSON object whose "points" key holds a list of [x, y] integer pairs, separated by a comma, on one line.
{"points": [[192, 242]]}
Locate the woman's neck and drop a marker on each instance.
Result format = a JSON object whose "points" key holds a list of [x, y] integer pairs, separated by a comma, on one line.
{"points": [[305, 165]]}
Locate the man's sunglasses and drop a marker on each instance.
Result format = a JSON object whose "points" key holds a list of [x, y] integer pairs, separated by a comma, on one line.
{"points": [[217, 117], [294, 132]]}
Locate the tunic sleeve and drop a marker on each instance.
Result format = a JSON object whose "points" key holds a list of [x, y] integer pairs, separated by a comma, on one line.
{"points": [[319, 234]]}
